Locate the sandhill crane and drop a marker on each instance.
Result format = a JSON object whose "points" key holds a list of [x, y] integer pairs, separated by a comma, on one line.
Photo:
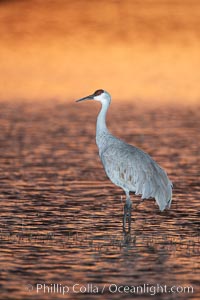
{"points": [[127, 166]]}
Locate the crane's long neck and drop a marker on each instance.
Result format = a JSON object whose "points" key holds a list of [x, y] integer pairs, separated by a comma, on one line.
{"points": [[101, 128], [101, 119]]}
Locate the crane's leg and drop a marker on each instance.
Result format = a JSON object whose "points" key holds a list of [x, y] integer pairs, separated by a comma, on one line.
{"points": [[127, 211]]}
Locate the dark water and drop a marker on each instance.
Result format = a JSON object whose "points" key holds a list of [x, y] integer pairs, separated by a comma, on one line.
{"points": [[61, 218]]}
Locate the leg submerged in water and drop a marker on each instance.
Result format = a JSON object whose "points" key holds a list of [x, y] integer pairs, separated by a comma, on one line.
{"points": [[127, 211]]}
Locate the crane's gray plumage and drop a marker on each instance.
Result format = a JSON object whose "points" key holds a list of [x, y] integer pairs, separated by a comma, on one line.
{"points": [[127, 166]]}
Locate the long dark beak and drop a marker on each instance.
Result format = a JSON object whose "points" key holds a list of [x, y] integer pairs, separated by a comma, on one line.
{"points": [[90, 97]]}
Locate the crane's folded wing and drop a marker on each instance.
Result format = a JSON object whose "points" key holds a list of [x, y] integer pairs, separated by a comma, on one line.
{"points": [[134, 170]]}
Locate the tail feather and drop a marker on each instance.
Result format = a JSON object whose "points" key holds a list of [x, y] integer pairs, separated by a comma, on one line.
{"points": [[156, 186], [163, 196]]}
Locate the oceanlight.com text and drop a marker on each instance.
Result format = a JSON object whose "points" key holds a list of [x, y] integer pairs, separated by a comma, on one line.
{"points": [[113, 288]]}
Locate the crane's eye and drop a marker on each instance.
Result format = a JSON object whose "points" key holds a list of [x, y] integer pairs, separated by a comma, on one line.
{"points": [[98, 92]]}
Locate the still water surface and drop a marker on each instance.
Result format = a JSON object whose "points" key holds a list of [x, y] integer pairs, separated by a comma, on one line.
{"points": [[61, 218]]}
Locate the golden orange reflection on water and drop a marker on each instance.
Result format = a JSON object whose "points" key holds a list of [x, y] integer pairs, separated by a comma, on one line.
{"points": [[137, 51]]}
